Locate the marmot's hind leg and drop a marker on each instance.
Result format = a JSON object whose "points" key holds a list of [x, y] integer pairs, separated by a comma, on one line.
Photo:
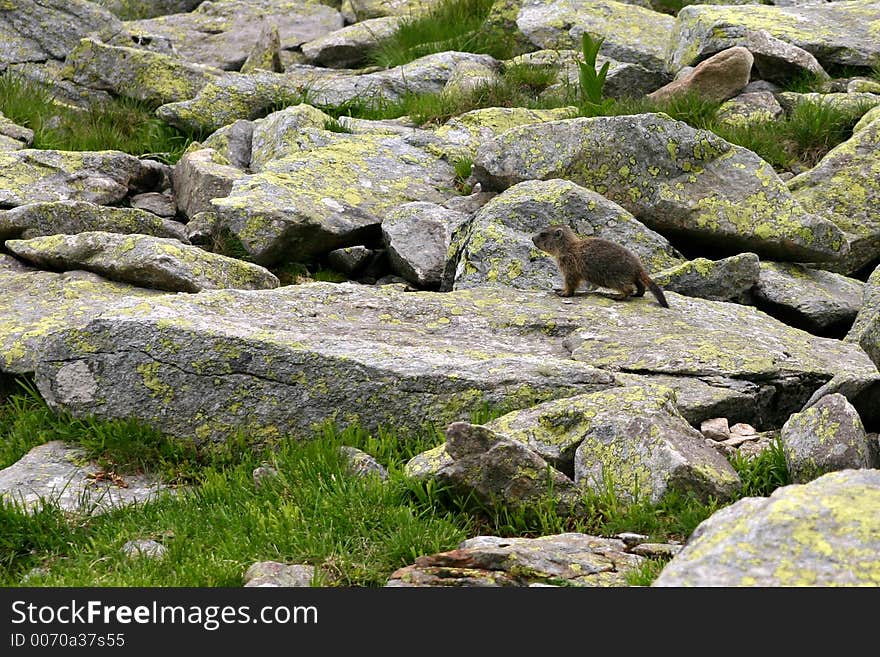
{"points": [[640, 289]]}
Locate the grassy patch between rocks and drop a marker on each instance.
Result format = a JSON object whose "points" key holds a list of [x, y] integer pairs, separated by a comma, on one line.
{"points": [[122, 124], [451, 25], [218, 521]]}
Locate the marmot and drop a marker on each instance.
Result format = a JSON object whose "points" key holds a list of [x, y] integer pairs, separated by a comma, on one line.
{"points": [[596, 261]]}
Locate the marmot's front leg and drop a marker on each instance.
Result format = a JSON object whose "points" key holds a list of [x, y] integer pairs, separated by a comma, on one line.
{"points": [[571, 284]]}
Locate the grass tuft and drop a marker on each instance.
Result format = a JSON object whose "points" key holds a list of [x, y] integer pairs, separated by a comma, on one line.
{"points": [[122, 124], [764, 473], [453, 25]]}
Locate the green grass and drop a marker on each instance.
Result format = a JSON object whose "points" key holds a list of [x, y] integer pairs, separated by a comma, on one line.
{"points": [[357, 531], [122, 124], [452, 25], [645, 574]]}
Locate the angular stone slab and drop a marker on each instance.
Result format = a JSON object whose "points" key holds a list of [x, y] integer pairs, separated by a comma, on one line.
{"points": [[154, 262], [277, 361], [71, 217], [148, 8], [221, 34], [318, 200], [825, 533], [673, 178], [350, 45], [570, 559], [199, 177], [728, 279], [834, 33], [64, 300], [631, 33], [865, 330], [496, 248], [844, 188], [60, 474], [32, 176], [136, 73], [37, 30], [813, 299]]}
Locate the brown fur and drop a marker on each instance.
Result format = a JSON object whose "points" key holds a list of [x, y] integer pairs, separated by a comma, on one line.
{"points": [[596, 261]]}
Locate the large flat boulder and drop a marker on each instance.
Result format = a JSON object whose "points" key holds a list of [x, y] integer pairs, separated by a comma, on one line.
{"points": [[271, 362]]}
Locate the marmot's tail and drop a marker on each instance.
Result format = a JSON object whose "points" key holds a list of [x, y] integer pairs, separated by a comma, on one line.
{"points": [[655, 290]]}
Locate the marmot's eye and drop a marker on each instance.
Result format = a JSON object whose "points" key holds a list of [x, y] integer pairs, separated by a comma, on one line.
{"points": [[558, 232]]}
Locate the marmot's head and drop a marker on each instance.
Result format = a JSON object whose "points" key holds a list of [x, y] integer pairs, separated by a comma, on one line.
{"points": [[553, 239]]}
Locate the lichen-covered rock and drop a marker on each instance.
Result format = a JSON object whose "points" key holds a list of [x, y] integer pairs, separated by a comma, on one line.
{"points": [[728, 279], [635, 444], [32, 176], [470, 77], [779, 61], [135, 73], [498, 470], [361, 464], [360, 10], [71, 217], [64, 300], [496, 248], [161, 205], [201, 176], [834, 32], [721, 76], [673, 178], [865, 330], [128, 9], [274, 573], [631, 33], [233, 142], [60, 474], [815, 300], [351, 260], [747, 109], [418, 236], [317, 200], [290, 131], [461, 135], [239, 96], [13, 136], [221, 34], [825, 437], [570, 559], [623, 79], [824, 533], [867, 118], [844, 188], [856, 104], [266, 52], [155, 262], [37, 30], [211, 364], [350, 45], [145, 548]]}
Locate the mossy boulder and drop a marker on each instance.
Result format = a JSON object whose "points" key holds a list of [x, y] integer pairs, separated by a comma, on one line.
{"points": [[750, 108], [825, 533], [102, 177], [159, 263], [356, 11], [221, 34], [632, 34], [213, 363], [842, 33], [290, 131], [324, 198], [844, 188], [37, 30], [496, 247], [199, 177], [350, 45], [815, 300], [147, 8], [64, 300], [727, 279], [135, 73], [71, 217], [865, 330], [825, 437], [675, 179], [13, 136]]}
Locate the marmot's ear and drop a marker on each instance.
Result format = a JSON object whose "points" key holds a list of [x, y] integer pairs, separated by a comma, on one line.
{"points": [[558, 232]]}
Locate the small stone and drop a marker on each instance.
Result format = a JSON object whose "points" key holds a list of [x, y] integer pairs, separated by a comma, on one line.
{"points": [[144, 547], [275, 574], [162, 205], [656, 549], [361, 464], [743, 429], [262, 473], [631, 539], [715, 429]]}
